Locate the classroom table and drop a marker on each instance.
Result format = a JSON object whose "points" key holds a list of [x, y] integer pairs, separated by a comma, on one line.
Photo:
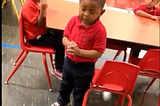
{"points": [[123, 28]]}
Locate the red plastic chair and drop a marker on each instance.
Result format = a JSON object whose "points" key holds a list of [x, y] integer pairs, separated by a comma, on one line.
{"points": [[116, 77], [149, 65], [26, 48]]}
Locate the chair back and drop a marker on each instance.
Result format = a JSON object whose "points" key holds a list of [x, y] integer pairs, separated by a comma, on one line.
{"points": [[150, 61], [118, 73], [21, 31]]}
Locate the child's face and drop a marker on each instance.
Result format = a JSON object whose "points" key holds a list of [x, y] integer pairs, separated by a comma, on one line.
{"points": [[89, 11], [151, 3]]}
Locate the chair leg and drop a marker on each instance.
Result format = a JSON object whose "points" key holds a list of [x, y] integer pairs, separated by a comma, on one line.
{"points": [[129, 100], [51, 59], [46, 71], [22, 2], [86, 97], [16, 67], [117, 54], [3, 3], [149, 84], [15, 9], [158, 104], [125, 55], [120, 100], [142, 100], [19, 56]]}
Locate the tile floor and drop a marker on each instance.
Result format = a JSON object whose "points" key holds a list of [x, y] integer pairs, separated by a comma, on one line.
{"points": [[28, 86]]}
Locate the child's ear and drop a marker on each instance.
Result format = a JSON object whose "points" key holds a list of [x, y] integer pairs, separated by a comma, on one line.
{"points": [[103, 10]]}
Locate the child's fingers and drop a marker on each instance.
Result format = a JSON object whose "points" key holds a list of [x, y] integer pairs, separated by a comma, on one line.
{"points": [[74, 43], [70, 51], [70, 43], [71, 47]]}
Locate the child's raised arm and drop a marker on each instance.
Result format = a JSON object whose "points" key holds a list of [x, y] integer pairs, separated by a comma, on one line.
{"points": [[43, 7]]}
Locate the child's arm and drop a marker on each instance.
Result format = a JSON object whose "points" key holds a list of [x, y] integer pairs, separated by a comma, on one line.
{"points": [[67, 30], [41, 18], [70, 45], [143, 14], [89, 53], [75, 50], [42, 14], [65, 41]]}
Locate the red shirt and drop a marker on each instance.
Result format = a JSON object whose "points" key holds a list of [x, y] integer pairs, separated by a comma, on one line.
{"points": [[31, 11], [144, 8], [88, 38]]}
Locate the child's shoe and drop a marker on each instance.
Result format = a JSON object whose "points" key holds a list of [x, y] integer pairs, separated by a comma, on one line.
{"points": [[56, 104], [57, 74]]}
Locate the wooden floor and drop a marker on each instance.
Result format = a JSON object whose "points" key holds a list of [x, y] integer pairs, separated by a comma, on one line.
{"points": [[29, 87]]}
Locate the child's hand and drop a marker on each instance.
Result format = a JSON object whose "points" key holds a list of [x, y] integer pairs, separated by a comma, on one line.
{"points": [[155, 18], [72, 48], [76, 51], [76, 48], [44, 4], [74, 43]]}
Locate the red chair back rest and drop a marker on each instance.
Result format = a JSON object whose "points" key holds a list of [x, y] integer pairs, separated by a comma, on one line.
{"points": [[150, 61], [21, 31], [119, 73]]}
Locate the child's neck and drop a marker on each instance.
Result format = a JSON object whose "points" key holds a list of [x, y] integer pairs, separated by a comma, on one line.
{"points": [[90, 23], [150, 8], [38, 3]]}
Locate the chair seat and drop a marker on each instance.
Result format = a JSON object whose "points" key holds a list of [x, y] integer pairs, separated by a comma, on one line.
{"points": [[32, 48], [149, 72], [113, 87], [136, 61]]}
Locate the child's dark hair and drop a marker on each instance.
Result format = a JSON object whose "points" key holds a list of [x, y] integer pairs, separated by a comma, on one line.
{"points": [[101, 2]]}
